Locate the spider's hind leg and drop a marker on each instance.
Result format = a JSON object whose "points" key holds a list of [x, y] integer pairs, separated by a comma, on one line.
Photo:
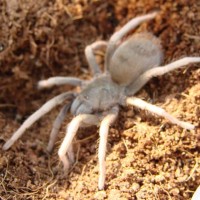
{"points": [[89, 53], [134, 101], [136, 85], [117, 36]]}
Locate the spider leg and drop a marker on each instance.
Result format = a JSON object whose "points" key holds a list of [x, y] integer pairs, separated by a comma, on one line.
{"points": [[117, 36], [104, 128], [159, 111], [158, 71], [89, 53], [56, 126], [72, 128], [131, 25], [59, 80], [70, 154], [54, 132], [48, 106], [196, 194]]}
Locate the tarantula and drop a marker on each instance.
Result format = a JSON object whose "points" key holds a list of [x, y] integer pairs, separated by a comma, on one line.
{"points": [[129, 64]]}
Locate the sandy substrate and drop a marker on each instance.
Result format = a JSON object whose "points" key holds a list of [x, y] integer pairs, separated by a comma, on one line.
{"points": [[147, 157]]}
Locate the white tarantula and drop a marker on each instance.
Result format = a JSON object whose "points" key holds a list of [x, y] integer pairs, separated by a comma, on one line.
{"points": [[129, 65]]}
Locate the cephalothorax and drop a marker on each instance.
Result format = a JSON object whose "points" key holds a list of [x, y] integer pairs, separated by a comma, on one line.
{"points": [[129, 64]]}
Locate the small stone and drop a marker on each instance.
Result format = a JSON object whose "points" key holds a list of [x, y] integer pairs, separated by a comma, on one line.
{"points": [[174, 191], [159, 178], [135, 187], [100, 195], [114, 194]]}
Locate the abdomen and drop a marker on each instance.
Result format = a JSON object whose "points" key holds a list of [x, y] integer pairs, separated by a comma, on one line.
{"points": [[134, 56]]}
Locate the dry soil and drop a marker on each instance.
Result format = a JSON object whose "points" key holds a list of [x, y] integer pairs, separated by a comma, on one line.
{"points": [[147, 157]]}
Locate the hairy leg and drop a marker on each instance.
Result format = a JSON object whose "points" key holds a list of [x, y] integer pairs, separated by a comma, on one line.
{"points": [[89, 53], [104, 129], [48, 106], [71, 132], [117, 36], [158, 111], [54, 132], [158, 71], [56, 126], [59, 80], [70, 154], [196, 194]]}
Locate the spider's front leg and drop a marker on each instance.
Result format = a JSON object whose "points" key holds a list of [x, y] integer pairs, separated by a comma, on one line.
{"points": [[78, 121], [56, 126], [104, 129], [47, 107]]}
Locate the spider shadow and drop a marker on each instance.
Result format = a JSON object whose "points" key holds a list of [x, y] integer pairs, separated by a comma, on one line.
{"points": [[172, 84]]}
